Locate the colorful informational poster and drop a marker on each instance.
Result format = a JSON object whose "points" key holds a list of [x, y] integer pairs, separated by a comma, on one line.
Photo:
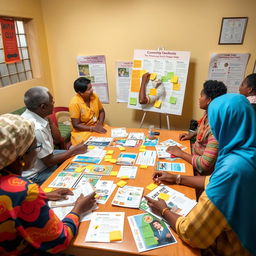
{"points": [[94, 68], [123, 78], [228, 68], [149, 232], [10, 45], [167, 84]]}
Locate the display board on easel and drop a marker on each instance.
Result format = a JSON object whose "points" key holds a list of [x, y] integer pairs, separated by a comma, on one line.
{"points": [[171, 67]]}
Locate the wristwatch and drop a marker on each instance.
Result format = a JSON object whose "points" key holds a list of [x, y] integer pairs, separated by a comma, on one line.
{"points": [[178, 179]]}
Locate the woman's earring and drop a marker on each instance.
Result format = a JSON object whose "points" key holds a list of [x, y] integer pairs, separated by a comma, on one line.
{"points": [[22, 163]]}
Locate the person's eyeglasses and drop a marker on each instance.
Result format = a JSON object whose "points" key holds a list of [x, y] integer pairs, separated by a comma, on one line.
{"points": [[38, 147]]}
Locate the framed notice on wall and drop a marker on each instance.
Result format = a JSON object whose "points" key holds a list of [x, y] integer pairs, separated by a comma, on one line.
{"points": [[233, 30]]}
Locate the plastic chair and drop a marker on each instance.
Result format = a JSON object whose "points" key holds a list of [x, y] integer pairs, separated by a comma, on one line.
{"points": [[55, 115]]}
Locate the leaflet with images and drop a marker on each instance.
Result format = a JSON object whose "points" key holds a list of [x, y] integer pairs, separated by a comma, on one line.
{"points": [[136, 136], [162, 153], [98, 141], [106, 227], [171, 142], [87, 189], [126, 159], [146, 158], [84, 178], [93, 156], [119, 133], [128, 196], [149, 232], [176, 201], [104, 188], [170, 167], [127, 171], [65, 180]]}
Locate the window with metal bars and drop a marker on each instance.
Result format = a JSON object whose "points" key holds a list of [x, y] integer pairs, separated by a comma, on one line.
{"points": [[19, 71]]}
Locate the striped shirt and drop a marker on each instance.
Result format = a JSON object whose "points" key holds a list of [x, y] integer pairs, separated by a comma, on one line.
{"points": [[205, 149], [205, 227]]}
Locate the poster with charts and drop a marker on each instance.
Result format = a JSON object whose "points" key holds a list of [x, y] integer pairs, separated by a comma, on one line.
{"points": [[94, 68], [170, 68], [228, 68]]}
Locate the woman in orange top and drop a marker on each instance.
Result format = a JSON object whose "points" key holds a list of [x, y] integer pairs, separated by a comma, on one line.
{"points": [[86, 112]]}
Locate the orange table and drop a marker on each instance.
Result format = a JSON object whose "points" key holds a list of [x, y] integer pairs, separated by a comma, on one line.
{"points": [[143, 178]]}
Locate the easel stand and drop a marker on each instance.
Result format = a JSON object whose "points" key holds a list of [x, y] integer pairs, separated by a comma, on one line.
{"points": [[160, 117]]}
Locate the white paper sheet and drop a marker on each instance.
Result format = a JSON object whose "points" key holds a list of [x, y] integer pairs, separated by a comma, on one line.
{"points": [[102, 223]]}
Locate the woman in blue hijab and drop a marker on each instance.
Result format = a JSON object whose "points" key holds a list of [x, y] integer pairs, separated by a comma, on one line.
{"points": [[223, 221]]}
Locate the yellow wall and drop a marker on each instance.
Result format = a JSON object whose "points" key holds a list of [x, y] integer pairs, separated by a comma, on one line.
{"points": [[115, 28], [11, 97]]}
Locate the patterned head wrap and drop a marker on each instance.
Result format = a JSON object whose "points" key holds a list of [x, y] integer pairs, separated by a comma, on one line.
{"points": [[16, 136]]}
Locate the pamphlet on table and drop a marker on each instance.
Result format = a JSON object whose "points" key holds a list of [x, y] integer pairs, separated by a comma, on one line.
{"points": [[149, 232], [92, 156], [150, 143], [87, 189], [136, 136], [84, 178], [176, 201], [104, 188], [171, 142], [126, 159], [127, 171], [146, 158], [170, 167], [64, 180], [98, 141], [119, 133], [106, 227], [128, 196]]}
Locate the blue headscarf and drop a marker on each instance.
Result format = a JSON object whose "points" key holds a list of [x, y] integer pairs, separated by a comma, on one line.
{"points": [[232, 186]]}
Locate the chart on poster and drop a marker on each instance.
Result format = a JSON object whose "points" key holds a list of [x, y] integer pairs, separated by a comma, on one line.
{"points": [[170, 70]]}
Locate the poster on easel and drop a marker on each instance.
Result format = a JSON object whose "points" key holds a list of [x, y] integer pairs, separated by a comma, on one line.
{"points": [[167, 84], [228, 68], [94, 68]]}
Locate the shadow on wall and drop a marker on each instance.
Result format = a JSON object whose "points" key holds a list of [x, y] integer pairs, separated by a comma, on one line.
{"points": [[177, 122]]}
